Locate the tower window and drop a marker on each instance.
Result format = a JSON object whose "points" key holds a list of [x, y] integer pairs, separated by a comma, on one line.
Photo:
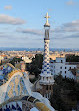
{"points": [[60, 67], [70, 67], [65, 72], [50, 87], [46, 87], [65, 67], [61, 61], [6, 106]]}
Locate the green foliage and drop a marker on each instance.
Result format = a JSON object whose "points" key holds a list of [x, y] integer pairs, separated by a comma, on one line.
{"points": [[77, 91], [33, 80], [15, 60], [72, 58], [36, 65], [65, 94], [38, 60]]}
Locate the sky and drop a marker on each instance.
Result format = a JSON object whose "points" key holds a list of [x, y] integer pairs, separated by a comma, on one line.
{"points": [[22, 23]]}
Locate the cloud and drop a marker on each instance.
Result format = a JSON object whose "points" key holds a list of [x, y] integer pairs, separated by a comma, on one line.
{"points": [[66, 36], [5, 35], [30, 31], [5, 19], [68, 27], [65, 31], [73, 23], [8, 7], [76, 35], [70, 2], [50, 10]]}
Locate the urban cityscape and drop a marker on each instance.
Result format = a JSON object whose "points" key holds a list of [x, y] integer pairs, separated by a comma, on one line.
{"points": [[39, 55]]}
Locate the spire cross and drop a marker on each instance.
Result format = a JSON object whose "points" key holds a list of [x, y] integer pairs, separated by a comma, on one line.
{"points": [[47, 18]]}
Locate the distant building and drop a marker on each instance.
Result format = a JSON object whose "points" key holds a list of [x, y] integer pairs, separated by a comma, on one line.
{"points": [[2, 57], [55, 55], [66, 69]]}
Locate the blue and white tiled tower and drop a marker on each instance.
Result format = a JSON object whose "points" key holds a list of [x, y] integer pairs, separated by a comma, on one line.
{"points": [[46, 79]]}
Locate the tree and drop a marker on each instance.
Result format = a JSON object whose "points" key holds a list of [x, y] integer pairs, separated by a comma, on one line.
{"points": [[36, 65], [72, 58], [15, 60], [65, 94]]}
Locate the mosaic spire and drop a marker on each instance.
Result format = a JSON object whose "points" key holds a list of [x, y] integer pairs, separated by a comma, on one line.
{"points": [[46, 76]]}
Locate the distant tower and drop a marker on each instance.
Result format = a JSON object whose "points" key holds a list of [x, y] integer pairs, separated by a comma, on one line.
{"points": [[46, 79]]}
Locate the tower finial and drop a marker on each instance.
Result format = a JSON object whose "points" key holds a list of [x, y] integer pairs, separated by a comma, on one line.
{"points": [[47, 23]]}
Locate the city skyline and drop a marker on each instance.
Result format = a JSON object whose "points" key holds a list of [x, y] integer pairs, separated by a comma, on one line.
{"points": [[21, 23]]}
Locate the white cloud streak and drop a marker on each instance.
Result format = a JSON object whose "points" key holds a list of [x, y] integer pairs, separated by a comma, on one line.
{"points": [[70, 2], [5, 19], [30, 31], [8, 7], [68, 27], [65, 31]]}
